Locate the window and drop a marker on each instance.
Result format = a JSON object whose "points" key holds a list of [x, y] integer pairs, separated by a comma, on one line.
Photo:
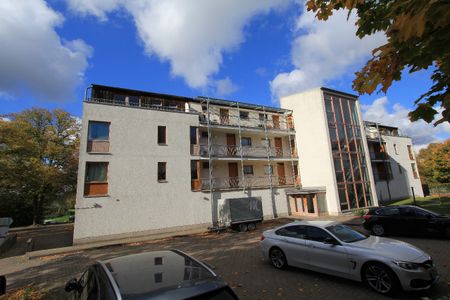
{"points": [[193, 135], [89, 286], [388, 211], [317, 234], [298, 232], [400, 169], [395, 149], [194, 169], [98, 131], [411, 156], [246, 141], [268, 170], [413, 167], [263, 117], [162, 171], [243, 115], [96, 179], [205, 165], [248, 170], [162, 135], [204, 134]]}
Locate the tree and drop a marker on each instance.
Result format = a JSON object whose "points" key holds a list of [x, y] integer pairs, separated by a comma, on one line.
{"points": [[434, 163], [418, 38], [38, 161]]}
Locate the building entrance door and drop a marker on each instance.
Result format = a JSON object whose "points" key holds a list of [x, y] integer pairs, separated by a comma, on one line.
{"points": [[281, 174], [233, 174], [304, 205], [231, 144]]}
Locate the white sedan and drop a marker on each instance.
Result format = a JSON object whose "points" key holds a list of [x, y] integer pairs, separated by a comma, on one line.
{"points": [[386, 265]]}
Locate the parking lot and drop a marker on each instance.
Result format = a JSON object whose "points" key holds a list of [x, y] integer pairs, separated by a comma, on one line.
{"points": [[237, 259]]}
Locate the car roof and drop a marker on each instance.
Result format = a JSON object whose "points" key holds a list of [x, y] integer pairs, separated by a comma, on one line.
{"points": [[169, 273], [317, 223]]}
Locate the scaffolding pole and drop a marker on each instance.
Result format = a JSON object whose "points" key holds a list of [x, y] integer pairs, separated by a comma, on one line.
{"points": [[240, 146]]}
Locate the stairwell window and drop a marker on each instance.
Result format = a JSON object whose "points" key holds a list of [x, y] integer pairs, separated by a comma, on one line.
{"points": [[162, 171], [162, 135]]}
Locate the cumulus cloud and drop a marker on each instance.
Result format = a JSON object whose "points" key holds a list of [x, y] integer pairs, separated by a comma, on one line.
{"points": [[191, 35], [33, 57], [225, 87], [421, 132], [322, 51]]}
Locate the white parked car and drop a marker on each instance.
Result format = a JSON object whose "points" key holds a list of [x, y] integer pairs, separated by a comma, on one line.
{"points": [[386, 265]]}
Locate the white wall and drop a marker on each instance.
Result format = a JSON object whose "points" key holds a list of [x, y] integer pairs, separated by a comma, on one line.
{"points": [[137, 201], [313, 143]]}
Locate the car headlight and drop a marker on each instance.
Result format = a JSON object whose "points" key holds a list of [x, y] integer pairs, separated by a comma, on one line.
{"points": [[407, 265]]}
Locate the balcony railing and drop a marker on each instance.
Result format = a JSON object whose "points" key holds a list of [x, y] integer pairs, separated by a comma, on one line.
{"points": [[236, 151], [282, 123], [143, 103], [378, 156], [248, 182]]}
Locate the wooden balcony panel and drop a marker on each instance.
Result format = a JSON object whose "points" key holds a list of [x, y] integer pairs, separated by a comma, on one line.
{"points": [[95, 189], [98, 146]]}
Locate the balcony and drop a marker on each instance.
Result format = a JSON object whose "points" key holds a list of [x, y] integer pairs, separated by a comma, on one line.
{"points": [[227, 151], [378, 155], [248, 182], [277, 123]]}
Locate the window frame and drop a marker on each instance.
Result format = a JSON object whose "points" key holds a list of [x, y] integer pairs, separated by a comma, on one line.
{"points": [[91, 122], [251, 169], [88, 184], [248, 141], [244, 115]]}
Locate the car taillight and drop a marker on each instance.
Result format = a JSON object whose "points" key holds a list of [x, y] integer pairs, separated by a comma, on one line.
{"points": [[262, 237], [367, 217]]}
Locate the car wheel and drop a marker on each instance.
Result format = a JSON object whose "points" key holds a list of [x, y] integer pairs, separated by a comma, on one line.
{"points": [[380, 278], [277, 258], [251, 226], [378, 229]]}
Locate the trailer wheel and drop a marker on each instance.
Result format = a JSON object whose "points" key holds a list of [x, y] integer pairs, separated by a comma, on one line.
{"points": [[243, 227], [251, 226]]}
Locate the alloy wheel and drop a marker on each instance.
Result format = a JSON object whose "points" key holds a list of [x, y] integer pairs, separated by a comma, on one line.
{"points": [[379, 279], [277, 258], [378, 229]]}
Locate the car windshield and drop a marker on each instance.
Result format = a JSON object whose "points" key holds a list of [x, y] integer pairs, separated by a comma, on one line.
{"points": [[346, 234]]}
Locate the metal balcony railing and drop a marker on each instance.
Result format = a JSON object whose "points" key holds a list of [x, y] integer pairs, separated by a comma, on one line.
{"points": [[281, 123], [143, 103], [235, 151], [248, 182]]}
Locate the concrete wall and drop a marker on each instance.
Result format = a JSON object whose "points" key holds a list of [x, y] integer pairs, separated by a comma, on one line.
{"points": [[402, 173], [137, 201], [313, 143]]}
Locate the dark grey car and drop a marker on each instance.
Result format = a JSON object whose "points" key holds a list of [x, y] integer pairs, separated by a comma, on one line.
{"points": [[152, 275]]}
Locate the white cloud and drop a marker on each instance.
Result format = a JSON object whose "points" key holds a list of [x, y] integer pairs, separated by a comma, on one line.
{"points": [[33, 57], [322, 51], [421, 132], [191, 35], [225, 87]]}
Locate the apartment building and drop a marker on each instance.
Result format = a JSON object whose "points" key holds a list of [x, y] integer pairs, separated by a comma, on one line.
{"points": [[152, 162], [393, 162]]}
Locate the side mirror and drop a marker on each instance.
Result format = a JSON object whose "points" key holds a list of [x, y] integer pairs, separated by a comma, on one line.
{"points": [[71, 285], [2, 285], [330, 241]]}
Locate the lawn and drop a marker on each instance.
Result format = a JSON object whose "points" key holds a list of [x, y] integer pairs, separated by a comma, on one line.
{"points": [[60, 219], [434, 203]]}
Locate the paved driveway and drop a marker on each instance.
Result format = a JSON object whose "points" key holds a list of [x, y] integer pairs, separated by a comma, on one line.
{"points": [[236, 257]]}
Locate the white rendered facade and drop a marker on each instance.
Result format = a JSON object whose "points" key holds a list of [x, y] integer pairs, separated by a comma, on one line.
{"points": [[393, 162]]}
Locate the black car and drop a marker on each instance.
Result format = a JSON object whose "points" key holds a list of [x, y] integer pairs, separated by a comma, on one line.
{"points": [[406, 220], [152, 275]]}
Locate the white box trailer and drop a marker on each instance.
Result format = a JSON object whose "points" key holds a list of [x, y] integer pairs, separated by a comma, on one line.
{"points": [[240, 213]]}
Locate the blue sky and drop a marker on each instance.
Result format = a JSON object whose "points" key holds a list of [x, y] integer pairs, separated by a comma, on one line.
{"points": [[253, 52]]}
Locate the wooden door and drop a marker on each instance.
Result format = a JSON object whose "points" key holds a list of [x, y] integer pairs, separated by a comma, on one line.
{"points": [[276, 121], [278, 147], [281, 174], [231, 144], [233, 174], [224, 117]]}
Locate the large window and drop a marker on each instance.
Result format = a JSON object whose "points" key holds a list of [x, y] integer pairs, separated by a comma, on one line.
{"points": [[348, 152], [96, 179]]}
